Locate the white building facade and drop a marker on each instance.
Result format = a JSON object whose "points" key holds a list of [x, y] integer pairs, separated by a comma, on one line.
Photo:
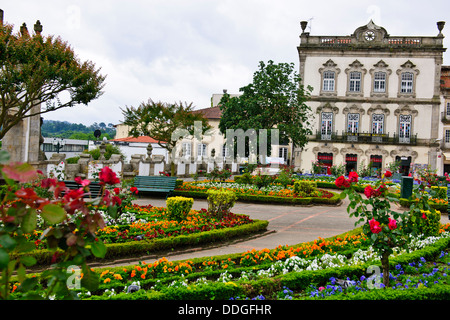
{"points": [[375, 99]]}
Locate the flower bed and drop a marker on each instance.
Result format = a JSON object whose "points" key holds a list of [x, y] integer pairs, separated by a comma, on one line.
{"points": [[336, 267], [144, 229], [269, 194]]}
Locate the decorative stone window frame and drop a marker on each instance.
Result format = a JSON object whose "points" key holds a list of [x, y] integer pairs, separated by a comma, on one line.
{"points": [[332, 67], [327, 107], [354, 108], [355, 66], [377, 150], [380, 66], [410, 67], [326, 147], [404, 151], [408, 111], [378, 109]]}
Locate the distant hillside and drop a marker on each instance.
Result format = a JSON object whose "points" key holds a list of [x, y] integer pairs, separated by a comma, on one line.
{"points": [[67, 130]]}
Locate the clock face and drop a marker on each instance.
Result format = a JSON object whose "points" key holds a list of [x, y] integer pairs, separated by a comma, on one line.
{"points": [[369, 35]]}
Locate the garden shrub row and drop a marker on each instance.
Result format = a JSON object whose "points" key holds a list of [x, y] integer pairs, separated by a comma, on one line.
{"points": [[269, 199], [136, 248], [293, 280], [442, 207]]}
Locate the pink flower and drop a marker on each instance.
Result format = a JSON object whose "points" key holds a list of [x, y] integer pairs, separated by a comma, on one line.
{"points": [[424, 216], [321, 288], [392, 224], [84, 182], [374, 226]]}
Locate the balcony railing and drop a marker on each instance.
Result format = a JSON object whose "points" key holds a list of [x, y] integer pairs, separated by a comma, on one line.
{"points": [[365, 137]]}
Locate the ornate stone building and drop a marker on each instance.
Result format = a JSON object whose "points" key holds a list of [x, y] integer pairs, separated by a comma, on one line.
{"points": [[375, 98]]}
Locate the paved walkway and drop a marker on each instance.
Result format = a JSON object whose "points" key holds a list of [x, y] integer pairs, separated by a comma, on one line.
{"points": [[288, 225]]}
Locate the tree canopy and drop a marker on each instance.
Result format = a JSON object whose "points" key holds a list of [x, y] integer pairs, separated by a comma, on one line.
{"points": [[38, 70], [275, 99], [161, 121]]}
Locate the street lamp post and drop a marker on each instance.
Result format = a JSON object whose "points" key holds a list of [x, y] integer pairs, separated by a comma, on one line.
{"points": [[58, 144]]}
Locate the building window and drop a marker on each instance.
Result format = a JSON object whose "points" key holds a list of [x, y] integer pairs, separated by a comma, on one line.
{"points": [[201, 150], [448, 109], [328, 81], [404, 128], [407, 77], [379, 84], [380, 79], [447, 136], [353, 123], [326, 126], [355, 82], [224, 150], [377, 123], [283, 153], [329, 77], [407, 82], [186, 149]]}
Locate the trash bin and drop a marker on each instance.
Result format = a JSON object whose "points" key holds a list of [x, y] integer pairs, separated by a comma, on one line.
{"points": [[407, 187]]}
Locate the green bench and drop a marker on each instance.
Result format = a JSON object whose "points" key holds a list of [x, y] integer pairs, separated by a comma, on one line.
{"points": [[160, 184], [94, 187]]}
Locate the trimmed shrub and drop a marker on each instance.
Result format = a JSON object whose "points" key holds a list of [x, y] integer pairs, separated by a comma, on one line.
{"points": [[179, 207], [220, 201], [305, 187], [428, 222]]}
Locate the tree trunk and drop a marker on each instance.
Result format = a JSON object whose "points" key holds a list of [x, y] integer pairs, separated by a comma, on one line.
{"points": [[385, 266]]}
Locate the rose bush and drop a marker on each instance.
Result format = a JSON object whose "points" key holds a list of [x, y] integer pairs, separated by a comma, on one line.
{"points": [[70, 226], [385, 227]]}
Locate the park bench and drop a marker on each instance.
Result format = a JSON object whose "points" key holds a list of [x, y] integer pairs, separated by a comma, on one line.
{"points": [[95, 188], [160, 184]]}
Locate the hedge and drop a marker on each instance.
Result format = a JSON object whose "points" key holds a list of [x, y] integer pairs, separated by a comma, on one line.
{"points": [[269, 199], [437, 206]]}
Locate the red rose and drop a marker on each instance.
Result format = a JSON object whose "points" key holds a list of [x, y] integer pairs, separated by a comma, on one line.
{"points": [[116, 190], [374, 226], [369, 192], [392, 224], [388, 174], [340, 182], [134, 190], [353, 176], [108, 176]]}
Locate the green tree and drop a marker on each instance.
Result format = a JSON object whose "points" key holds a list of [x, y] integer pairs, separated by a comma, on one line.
{"points": [[38, 70], [160, 121], [275, 99]]}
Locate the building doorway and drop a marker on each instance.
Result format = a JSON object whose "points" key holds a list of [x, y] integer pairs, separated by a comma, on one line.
{"points": [[351, 161], [376, 163], [326, 162], [405, 165]]}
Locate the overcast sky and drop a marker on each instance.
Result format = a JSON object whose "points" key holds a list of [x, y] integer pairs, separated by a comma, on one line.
{"points": [[175, 50]]}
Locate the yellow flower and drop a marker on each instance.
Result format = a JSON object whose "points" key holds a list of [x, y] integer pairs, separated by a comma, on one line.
{"points": [[118, 277], [107, 280]]}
